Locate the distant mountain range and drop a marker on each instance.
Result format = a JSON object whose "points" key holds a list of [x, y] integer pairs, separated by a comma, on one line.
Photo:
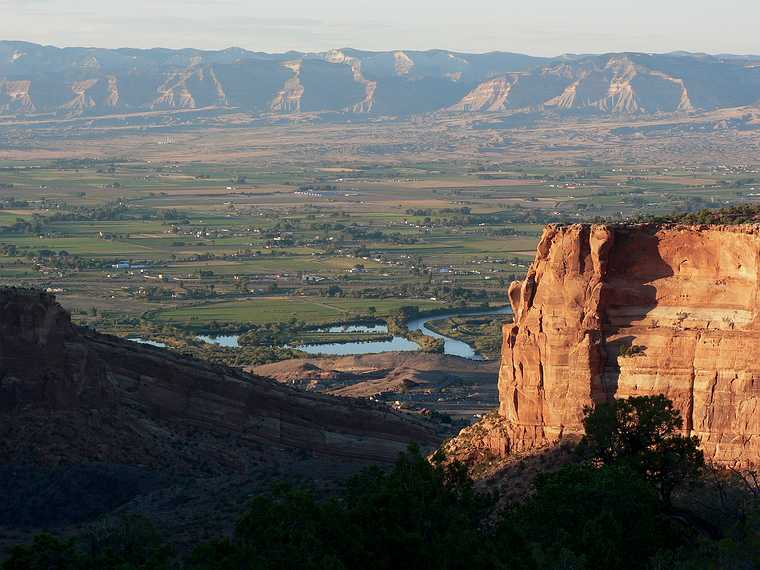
{"points": [[37, 79]]}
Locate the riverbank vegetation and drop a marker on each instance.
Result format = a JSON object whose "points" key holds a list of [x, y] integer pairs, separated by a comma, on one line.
{"points": [[240, 357], [293, 334], [267, 342], [482, 332]]}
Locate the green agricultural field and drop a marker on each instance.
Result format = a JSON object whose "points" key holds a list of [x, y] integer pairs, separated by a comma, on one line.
{"points": [[266, 226], [281, 309], [79, 245], [270, 264], [9, 273], [130, 227], [9, 218]]}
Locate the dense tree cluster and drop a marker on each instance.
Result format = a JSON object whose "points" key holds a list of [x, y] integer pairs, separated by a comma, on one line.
{"points": [[633, 499], [742, 214], [239, 357]]}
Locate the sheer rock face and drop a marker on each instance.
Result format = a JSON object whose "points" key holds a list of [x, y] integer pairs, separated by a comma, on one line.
{"points": [[626, 311], [69, 395]]}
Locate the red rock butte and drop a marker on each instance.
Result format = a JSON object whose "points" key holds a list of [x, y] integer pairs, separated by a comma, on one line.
{"points": [[617, 311]]}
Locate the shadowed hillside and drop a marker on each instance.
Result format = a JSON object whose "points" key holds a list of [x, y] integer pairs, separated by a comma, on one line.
{"points": [[89, 422]]}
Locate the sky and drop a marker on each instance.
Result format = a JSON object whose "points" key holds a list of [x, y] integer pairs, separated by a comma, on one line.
{"points": [[548, 27]]}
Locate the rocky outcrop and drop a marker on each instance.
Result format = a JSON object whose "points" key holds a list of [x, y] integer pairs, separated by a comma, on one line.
{"points": [[489, 96], [608, 312], [70, 395], [622, 85]]}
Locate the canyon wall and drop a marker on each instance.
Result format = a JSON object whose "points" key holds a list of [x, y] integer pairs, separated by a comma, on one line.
{"points": [[608, 311]]}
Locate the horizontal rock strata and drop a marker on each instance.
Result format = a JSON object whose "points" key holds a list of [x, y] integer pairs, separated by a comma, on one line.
{"points": [[608, 312]]}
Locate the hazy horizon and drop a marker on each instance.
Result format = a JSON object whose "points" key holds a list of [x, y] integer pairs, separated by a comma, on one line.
{"points": [[389, 49], [480, 26]]}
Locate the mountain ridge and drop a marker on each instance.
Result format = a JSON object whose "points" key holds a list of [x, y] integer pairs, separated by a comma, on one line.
{"points": [[39, 80]]}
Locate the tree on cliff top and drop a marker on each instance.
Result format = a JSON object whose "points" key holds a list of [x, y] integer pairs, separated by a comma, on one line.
{"points": [[642, 433]]}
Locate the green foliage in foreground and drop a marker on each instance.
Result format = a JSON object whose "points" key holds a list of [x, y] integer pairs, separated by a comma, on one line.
{"points": [[415, 516], [612, 509], [133, 544], [642, 434]]}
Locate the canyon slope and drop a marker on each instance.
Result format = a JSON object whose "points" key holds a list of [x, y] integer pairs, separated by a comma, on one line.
{"points": [[90, 422], [43, 80], [70, 395], [617, 311], [93, 425]]}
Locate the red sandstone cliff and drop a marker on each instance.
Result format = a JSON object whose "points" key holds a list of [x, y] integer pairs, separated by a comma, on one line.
{"points": [[620, 311]]}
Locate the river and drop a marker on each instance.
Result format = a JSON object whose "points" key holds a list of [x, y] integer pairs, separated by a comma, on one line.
{"points": [[451, 346]]}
